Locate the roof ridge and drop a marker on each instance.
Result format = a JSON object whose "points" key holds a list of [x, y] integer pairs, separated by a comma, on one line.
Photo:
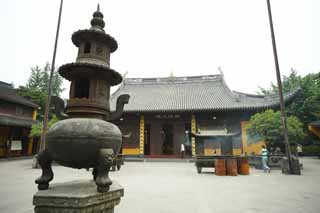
{"points": [[173, 79], [248, 94], [267, 96]]}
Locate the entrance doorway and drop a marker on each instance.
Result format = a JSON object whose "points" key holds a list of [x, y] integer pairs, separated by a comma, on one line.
{"points": [[167, 145], [147, 139]]}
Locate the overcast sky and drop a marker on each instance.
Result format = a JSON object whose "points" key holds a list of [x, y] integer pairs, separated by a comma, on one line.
{"points": [[157, 37]]}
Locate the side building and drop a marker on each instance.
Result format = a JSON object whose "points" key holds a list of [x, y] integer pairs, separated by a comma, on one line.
{"points": [[199, 111], [17, 114]]}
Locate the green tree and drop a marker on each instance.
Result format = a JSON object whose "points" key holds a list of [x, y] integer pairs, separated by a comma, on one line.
{"points": [[306, 105], [35, 78], [268, 125], [37, 86], [289, 84], [36, 129], [37, 96]]}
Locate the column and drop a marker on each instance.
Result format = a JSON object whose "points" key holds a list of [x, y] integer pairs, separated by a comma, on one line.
{"points": [[34, 114], [193, 130], [30, 142], [142, 135]]}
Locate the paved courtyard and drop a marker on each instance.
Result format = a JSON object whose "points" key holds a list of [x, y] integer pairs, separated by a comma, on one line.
{"points": [[166, 187]]}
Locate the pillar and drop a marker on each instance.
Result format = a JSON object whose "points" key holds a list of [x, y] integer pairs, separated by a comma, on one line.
{"points": [[30, 146], [193, 131], [34, 115], [244, 136], [141, 135], [30, 142]]}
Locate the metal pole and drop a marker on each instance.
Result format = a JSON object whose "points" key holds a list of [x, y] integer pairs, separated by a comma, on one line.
{"points": [[48, 99], [282, 106]]}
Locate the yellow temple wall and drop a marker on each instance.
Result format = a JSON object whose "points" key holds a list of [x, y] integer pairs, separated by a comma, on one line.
{"points": [[210, 151], [236, 151], [131, 151], [253, 147]]}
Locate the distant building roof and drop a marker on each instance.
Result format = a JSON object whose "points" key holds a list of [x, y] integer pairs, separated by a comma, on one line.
{"points": [[8, 93], [196, 93], [4, 84]]}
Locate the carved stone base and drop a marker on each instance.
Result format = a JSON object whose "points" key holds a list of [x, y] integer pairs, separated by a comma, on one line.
{"points": [[77, 197]]}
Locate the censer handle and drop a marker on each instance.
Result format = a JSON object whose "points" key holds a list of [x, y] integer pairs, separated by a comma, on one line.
{"points": [[59, 107], [121, 101]]}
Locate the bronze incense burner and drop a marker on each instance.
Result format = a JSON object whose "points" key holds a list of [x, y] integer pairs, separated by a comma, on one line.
{"points": [[85, 137]]}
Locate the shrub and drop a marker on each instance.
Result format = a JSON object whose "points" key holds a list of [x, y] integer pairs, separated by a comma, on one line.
{"points": [[313, 149]]}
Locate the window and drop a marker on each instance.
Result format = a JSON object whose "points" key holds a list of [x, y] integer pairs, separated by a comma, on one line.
{"points": [[82, 88], [87, 47]]}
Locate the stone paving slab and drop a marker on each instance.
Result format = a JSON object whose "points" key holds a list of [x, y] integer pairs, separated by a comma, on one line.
{"points": [[169, 187]]}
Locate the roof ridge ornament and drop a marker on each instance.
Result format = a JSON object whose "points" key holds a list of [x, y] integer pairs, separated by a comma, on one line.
{"points": [[221, 71]]}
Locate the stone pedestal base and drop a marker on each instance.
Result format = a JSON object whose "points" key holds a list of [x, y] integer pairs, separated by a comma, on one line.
{"points": [[77, 197]]}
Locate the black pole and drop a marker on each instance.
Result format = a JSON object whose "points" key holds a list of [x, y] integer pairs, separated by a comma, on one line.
{"points": [[282, 105], [48, 99]]}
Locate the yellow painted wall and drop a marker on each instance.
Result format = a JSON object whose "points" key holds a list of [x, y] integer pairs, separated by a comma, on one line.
{"points": [[141, 135], [193, 130], [131, 151], [249, 148], [30, 143], [210, 151], [237, 151]]}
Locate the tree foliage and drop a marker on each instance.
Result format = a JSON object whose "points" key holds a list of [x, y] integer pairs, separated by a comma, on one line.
{"points": [[36, 129], [37, 86], [306, 105], [268, 125], [289, 83]]}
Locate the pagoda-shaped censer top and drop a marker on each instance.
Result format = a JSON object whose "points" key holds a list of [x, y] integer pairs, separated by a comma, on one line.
{"points": [[85, 138], [91, 75]]}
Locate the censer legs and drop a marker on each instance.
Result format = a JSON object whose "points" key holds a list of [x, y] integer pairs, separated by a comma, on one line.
{"points": [[45, 162], [101, 172]]}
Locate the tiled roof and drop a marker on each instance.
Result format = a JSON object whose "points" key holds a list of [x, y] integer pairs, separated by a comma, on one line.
{"points": [[197, 93], [10, 94]]}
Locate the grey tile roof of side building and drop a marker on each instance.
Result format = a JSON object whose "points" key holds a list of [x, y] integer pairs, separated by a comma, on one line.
{"points": [[12, 120], [195, 93], [8, 93]]}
